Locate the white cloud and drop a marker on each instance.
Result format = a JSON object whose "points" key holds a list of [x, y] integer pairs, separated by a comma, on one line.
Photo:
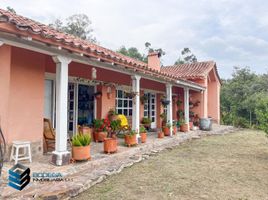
{"points": [[233, 33]]}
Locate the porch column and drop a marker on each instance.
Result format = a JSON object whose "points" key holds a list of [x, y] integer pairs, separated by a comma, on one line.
{"points": [[61, 156], [186, 106], [136, 104], [169, 106]]}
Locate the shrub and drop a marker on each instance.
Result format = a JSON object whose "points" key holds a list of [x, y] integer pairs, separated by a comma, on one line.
{"points": [[79, 140]]}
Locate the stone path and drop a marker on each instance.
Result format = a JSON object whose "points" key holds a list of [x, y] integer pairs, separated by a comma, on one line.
{"points": [[81, 176]]}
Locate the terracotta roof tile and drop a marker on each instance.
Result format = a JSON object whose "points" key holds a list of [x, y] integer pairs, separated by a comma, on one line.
{"points": [[24, 24], [190, 70]]}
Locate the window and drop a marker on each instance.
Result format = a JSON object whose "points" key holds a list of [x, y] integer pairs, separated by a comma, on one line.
{"points": [[123, 104], [48, 100]]}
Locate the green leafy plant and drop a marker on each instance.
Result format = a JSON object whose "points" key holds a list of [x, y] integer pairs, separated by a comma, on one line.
{"points": [[168, 125], [146, 120], [144, 98], [143, 129], [179, 102], [181, 121], [79, 140], [131, 133]]}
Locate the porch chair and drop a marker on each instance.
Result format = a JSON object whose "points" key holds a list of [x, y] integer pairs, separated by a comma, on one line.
{"points": [[50, 136]]}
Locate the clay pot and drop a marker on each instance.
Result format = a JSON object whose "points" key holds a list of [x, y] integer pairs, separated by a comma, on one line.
{"points": [[184, 128], [143, 137], [161, 134], [99, 136], [130, 140], [191, 125], [110, 145], [166, 131], [81, 153], [174, 130], [86, 130]]}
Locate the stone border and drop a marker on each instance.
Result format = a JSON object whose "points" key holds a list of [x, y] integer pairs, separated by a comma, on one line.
{"points": [[100, 169]]}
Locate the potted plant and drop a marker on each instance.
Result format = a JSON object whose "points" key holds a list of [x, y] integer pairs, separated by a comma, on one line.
{"points": [[174, 127], [81, 147], [143, 134], [146, 122], [183, 126], [110, 143], [165, 102], [163, 116], [97, 94], [160, 134], [100, 130], [85, 129], [130, 138], [144, 98], [112, 115], [179, 102], [130, 94], [166, 129]]}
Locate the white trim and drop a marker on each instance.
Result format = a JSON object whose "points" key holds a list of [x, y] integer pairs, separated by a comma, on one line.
{"points": [[169, 106], [1, 43]]}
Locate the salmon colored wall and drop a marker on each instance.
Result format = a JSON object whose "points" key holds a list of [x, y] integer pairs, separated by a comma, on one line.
{"points": [[214, 96], [5, 62], [26, 99]]}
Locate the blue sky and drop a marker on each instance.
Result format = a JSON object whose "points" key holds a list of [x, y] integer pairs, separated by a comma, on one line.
{"points": [[230, 32]]}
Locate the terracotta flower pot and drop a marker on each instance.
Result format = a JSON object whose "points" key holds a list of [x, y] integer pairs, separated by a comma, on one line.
{"points": [[184, 128], [174, 130], [86, 130], [130, 140], [191, 125], [81, 153], [110, 145], [166, 131], [99, 136], [143, 137], [160, 134]]}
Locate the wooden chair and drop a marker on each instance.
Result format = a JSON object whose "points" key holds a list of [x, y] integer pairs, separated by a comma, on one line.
{"points": [[49, 136]]}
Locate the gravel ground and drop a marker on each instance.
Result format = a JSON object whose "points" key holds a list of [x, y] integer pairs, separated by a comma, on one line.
{"points": [[233, 166]]}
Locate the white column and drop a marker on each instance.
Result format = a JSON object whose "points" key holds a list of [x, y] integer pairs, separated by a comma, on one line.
{"points": [[186, 106], [61, 156], [136, 104], [169, 106]]}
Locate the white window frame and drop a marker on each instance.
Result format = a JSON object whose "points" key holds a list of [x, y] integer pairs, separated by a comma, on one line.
{"points": [[123, 98]]}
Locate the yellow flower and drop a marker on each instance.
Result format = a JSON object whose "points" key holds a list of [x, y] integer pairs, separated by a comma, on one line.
{"points": [[123, 119]]}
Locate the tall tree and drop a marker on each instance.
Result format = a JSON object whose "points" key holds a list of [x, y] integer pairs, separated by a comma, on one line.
{"points": [[132, 52], [78, 25], [11, 9], [186, 56]]}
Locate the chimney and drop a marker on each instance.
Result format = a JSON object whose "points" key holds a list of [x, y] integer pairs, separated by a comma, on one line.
{"points": [[154, 60]]}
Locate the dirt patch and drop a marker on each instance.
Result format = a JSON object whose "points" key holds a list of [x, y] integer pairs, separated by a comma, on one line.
{"points": [[223, 167]]}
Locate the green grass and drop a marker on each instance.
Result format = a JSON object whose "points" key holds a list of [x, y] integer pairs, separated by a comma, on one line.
{"points": [[233, 166]]}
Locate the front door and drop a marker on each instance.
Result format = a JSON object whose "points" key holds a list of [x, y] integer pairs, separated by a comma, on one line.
{"points": [[150, 108], [80, 106]]}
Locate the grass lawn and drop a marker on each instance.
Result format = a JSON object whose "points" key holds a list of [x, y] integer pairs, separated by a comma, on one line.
{"points": [[233, 166]]}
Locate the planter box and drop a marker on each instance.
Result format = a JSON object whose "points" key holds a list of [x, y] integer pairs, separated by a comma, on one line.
{"points": [[130, 140], [143, 137]]}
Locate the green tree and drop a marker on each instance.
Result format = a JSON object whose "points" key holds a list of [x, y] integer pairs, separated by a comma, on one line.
{"points": [[186, 56], [239, 97], [132, 52], [261, 111], [78, 25], [11, 9]]}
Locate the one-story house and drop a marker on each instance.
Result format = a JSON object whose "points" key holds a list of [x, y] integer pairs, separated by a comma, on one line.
{"points": [[45, 73]]}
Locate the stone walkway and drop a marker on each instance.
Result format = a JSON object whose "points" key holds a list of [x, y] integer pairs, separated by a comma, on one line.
{"points": [[83, 175]]}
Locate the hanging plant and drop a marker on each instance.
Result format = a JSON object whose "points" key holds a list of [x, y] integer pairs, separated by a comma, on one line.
{"points": [[165, 102], [97, 94], [144, 98], [179, 102], [130, 94]]}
